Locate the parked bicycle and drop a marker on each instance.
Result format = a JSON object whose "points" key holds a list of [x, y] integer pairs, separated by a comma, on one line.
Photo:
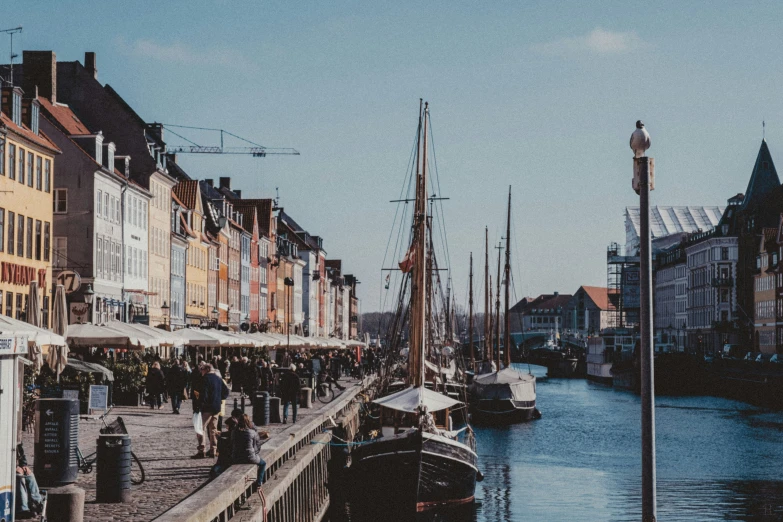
{"points": [[85, 464], [323, 390]]}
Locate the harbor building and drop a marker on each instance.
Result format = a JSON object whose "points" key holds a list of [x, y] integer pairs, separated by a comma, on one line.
{"points": [[766, 310], [670, 298], [27, 162]]}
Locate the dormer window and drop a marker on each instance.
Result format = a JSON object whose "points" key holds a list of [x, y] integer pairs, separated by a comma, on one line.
{"points": [[110, 157], [99, 149], [16, 107], [34, 117]]}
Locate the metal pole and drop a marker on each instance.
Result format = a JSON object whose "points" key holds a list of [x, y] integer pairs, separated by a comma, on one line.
{"points": [[649, 512]]}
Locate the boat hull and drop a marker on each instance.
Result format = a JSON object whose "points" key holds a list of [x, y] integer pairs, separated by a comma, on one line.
{"points": [[410, 474], [495, 412]]}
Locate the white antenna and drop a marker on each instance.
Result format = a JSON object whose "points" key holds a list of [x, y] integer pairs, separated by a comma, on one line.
{"points": [[11, 33]]}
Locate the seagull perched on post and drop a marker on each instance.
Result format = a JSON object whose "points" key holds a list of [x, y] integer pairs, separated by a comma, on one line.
{"points": [[640, 140]]}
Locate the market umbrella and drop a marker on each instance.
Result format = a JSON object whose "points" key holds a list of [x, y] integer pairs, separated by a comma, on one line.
{"points": [[59, 319], [34, 306], [57, 359], [89, 335]]}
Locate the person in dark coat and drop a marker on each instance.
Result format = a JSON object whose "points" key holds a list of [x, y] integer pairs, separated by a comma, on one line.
{"points": [[267, 377], [176, 382], [249, 376], [156, 385], [208, 400], [289, 390], [224, 447], [235, 372]]}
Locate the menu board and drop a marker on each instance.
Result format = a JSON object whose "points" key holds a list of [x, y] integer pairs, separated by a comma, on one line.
{"points": [[99, 397]]}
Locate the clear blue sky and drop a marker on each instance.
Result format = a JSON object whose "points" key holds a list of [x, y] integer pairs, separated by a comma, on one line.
{"points": [[539, 95]]}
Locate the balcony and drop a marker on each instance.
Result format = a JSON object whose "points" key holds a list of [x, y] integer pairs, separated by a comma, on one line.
{"points": [[722, 281]]}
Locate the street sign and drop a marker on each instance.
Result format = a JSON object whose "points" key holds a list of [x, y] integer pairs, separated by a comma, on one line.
{"points": [[70, 280]]}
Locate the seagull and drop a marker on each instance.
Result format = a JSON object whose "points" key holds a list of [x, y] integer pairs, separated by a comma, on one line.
{"points": [[640, 140]]}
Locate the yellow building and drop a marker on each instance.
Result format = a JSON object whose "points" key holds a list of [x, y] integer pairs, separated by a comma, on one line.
{"points": [[188, 195], [26, 181]]}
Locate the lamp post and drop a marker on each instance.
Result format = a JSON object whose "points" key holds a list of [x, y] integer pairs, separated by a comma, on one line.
{"points": [[289, 284], [215, 312], [643, 183], [89, 295], [165, 309]]}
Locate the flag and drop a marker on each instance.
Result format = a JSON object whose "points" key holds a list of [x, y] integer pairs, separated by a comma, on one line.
{"points": [[388, 278], [406, 265]]}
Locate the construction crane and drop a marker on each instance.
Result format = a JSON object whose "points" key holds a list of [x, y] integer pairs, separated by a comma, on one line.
{"points": [[256, 150]]}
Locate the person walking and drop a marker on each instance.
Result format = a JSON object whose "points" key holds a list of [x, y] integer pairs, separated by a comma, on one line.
{"points": [[176, 385], [289, 391], [156, 385], [246, 446], [188, 380], [208, 402]]}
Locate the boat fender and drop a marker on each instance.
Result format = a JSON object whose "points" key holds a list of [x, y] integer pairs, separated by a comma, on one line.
{"points": [[536, 413], [479, 476]]}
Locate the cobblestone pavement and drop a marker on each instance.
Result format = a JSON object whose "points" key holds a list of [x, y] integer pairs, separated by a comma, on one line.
{"points": [[164, 443]]}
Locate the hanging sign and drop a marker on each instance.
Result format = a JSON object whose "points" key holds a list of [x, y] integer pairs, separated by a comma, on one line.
{"points": [[70, 280]]}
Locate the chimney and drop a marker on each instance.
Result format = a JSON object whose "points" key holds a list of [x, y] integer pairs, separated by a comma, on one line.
{"points": [[238, 193], [156, 130], [557, 294], [40, 69], [210, 182], [225, 183], [89, 64]]}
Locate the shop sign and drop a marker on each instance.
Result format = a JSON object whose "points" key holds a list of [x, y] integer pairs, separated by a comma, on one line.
{"points": [[70, 280], [21, 275], [79, 313]]}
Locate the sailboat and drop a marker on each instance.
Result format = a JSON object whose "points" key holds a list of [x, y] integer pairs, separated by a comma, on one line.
{"points": [[504, 396], [416, 463]]}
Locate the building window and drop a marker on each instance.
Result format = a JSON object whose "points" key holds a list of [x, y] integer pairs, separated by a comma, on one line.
{"points": [[60, 201], [20, 235], [106, 205], [38, 239], [19, 306], [29, 238], [11, 240], [48, 175], [9, 304], [2, 173], [30, 162], [60, 251], [99, 258], [21, 165], [11, 161], [47, 236], [2, 234], [39, 173], [45, 314]]}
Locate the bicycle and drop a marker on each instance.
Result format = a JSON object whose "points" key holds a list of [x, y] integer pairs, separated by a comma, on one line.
{"points": [[324, 393], [85, 464]]}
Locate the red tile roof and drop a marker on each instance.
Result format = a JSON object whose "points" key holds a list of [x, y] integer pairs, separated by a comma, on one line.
{"points": [[264, 213], [39, 139], [186, 191], [599, 295], [248, 214], [64, 117]]}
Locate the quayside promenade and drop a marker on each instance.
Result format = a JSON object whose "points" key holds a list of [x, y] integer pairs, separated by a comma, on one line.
{"points": [[177, 488]]}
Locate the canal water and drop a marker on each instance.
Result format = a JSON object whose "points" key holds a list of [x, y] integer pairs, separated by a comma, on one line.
{"points": [[717, 459]]}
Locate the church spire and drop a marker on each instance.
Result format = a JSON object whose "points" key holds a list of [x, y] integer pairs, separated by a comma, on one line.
{"points": [[764, 178]]}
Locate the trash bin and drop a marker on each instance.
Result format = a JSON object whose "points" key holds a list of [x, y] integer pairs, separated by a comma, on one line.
{"points": [[56, 436], [274, 410], [261, 409], [306, 398], [113, 479]]}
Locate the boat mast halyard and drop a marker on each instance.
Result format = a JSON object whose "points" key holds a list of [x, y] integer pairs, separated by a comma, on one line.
{"points": [[497, 310], [470, 318], [507, 333]]}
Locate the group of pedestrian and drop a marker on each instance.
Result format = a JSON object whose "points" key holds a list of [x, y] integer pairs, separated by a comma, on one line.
{"points": [[174, 384]]}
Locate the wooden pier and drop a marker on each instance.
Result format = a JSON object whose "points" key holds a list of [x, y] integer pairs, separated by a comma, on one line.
{"points": [[296, 480]]}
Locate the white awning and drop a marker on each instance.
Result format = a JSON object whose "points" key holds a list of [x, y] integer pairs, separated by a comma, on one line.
{"points": [[412, 399], [89, 335], [36, 335]]}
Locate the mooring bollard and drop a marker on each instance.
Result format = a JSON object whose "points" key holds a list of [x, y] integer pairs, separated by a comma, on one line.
{"points": [[306, 398], [66, 502]]}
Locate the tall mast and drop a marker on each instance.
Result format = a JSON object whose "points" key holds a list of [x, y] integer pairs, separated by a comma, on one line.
{"points": [[487, 311], [497, 310], [420, 266], [470, 318], [507, 333], [417, 287], [489, 338]]}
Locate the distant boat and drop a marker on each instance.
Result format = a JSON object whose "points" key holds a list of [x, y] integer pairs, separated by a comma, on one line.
{"points": [[504, 396]]}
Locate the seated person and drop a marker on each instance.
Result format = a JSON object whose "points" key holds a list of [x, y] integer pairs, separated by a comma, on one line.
{"points": [[224, 449], [246, 447], [29, 501]]}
